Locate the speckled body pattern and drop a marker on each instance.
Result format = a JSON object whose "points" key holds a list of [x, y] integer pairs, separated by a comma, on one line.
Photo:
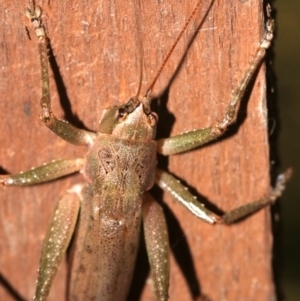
{"points": [[119, 172]]}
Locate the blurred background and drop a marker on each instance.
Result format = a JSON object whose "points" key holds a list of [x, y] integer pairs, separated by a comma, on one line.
{"points": [[287, 90]]}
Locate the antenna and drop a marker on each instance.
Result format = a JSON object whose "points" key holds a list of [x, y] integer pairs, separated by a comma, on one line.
{"points": [[141, 75], [149, 91], [140, 42]]}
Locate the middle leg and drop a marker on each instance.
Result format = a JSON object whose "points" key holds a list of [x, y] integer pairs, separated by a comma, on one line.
{"points": [[44, 173], [181, 194]]}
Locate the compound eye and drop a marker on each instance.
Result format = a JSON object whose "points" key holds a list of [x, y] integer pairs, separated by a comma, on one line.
{"points": [[121, 114], [152, 119]]}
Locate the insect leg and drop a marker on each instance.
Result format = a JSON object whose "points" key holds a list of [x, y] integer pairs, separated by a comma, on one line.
{"points": [[247, 209], [57, 240], [181, 194], [44, 173], [61, 128], [157, 244], [193, 139]]}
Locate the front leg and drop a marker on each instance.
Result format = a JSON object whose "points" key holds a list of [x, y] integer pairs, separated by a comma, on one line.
{"points": [[196, 138], [61, 128]]}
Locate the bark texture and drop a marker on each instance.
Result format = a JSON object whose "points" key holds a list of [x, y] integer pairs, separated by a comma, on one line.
{"points": [[96, 64]]}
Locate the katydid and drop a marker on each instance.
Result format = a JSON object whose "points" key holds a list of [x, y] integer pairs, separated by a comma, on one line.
{"points": [[119, 169]]}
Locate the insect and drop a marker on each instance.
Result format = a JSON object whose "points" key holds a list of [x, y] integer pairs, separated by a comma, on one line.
{"points": [[80, 163]]}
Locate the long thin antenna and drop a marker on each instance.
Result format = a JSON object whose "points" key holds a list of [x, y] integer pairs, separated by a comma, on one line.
{"points": [[140, 42], [141, 74], [149, 91]]}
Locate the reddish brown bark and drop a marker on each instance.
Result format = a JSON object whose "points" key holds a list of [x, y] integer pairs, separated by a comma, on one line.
{"points": [[96, 48]]}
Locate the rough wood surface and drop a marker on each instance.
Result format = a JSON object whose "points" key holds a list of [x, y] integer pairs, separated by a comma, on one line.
{"points": [[96, 65]]}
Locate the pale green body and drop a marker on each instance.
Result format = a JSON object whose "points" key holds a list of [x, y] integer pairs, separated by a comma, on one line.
{"points": [[118, 174], [105, 213]]}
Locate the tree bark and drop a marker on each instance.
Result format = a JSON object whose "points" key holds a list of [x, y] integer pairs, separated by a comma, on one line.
{"points": [[96, 64]]}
